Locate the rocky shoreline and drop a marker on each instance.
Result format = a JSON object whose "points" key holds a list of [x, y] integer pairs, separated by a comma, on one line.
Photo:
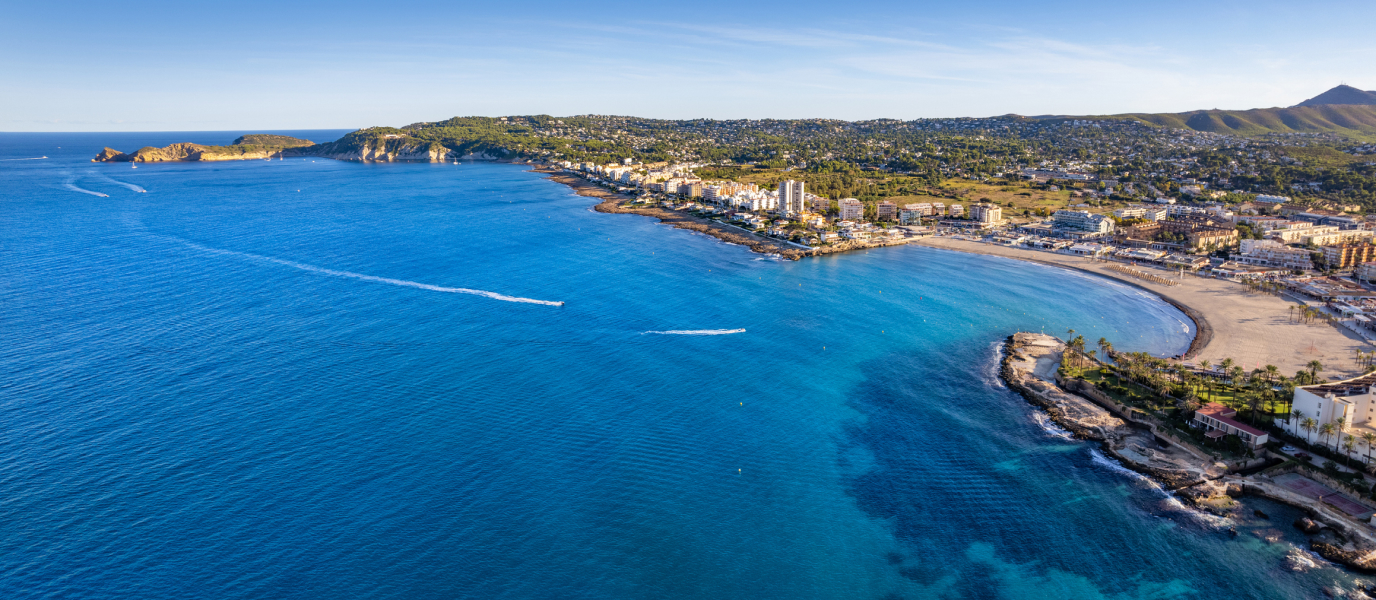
{"points": [[616, 203], [1029, 365]]}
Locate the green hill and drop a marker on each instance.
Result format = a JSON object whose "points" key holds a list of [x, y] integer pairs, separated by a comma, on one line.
{"points": [[1343, 94], [268, 139], [1344, 119]]}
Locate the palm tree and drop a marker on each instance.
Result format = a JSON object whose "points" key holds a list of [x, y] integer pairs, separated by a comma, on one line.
{"points": [[1208, 373], [1309, 425], [1253, 401], [1238, 376], [1325, 430], [1227, 364], [1298, 415], [1369, 438], [1271, 372], [1314, 367], [1348, 442]]}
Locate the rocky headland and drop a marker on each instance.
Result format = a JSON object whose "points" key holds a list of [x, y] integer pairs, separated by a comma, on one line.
{"points": [[1030, 365], [363, 145]]}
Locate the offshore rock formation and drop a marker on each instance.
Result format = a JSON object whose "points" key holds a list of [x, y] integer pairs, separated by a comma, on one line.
{"points": [[248, 147]]}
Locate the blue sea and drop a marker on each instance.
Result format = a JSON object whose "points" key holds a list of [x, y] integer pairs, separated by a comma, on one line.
{"points": [[318, 379]]}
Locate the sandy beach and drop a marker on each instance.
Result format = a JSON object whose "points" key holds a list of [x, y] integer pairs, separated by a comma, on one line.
{"points": [[1252, 329]]}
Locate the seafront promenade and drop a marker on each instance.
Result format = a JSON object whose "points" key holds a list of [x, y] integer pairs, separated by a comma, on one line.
{"points": [[1253, 329]]}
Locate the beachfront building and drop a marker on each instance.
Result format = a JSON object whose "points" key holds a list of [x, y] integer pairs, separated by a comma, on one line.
{"points": [[1218, 420], [1185, 261], [1350, 400], [791, 198], [1270, 253], [1080, 220], [957, 210], [852, 209], [1089, 249], [986, 214], [1366, 272]]}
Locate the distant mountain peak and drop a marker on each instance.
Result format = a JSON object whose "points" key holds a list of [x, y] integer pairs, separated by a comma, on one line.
{"points": [[1342, 94]]}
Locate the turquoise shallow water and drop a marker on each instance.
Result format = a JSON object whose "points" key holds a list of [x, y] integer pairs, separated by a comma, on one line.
{"points": [[255, 380]]}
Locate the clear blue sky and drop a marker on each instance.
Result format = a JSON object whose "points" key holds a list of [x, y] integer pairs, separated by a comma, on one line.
{"points": [[151, 65]]}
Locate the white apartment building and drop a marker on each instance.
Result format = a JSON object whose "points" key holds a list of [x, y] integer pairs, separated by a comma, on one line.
{"points": [[957, 210], [1150, 213], [1295, 231], [1273, 199], [1081, 220], [1349, 236], [1176, 210], [1350, 400], [852, 209], [1366, 272], [791, 198], [986, 213], [1270, 253]]}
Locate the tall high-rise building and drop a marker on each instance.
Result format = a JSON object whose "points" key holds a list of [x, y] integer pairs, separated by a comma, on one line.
{"points": [[791, 198]]}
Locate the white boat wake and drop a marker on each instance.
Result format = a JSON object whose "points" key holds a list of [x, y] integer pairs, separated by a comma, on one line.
{"points": [[695, 332], [72, 187], [362, 277], [35, 158], [123, 184]]}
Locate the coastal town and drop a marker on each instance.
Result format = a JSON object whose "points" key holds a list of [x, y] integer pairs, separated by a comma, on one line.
{"points": [[1265, 242], [1231, 426]]}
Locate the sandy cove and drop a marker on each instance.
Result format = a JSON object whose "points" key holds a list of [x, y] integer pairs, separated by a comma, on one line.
{"points": [[1252, 329]]}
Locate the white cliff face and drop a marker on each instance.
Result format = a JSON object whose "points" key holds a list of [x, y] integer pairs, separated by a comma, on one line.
{"points": [[393, 151], [478, 156]]}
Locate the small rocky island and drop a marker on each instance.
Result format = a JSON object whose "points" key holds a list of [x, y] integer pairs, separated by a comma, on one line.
{"points": [[247, 147]]}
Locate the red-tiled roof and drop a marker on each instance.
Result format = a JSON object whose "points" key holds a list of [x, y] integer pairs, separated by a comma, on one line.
{"points": [[1218, 412]]}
